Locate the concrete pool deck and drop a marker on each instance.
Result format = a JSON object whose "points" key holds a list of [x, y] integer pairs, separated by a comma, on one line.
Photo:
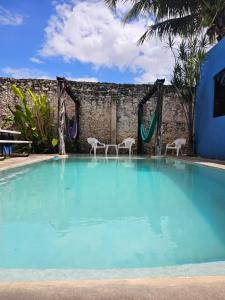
{"points": [[14, 162], [220, 164], [194, 288]]}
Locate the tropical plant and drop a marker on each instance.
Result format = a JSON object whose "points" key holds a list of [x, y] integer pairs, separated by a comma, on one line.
{"points": [[188, 57], [35, 119], [178, 17]]}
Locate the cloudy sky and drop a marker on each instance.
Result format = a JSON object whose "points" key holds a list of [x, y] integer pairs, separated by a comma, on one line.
{"points": [[78, 39]]}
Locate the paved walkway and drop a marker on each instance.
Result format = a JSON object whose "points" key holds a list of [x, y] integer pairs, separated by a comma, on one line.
{"points": [[13, 162], [203, 161], [199, 288]]}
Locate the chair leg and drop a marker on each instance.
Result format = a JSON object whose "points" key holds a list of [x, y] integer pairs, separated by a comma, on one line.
{"points": [[130, 151], [178, 150], [94, 151]]}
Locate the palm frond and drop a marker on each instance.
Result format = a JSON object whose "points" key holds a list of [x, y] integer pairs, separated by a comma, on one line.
{"points": [[111, 3], [161, 8], [175, 8], [140, 7], [184, 26], [178, 17]]}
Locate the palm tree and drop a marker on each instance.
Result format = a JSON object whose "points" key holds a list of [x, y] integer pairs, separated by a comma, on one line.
{"points": [[179, 17]]}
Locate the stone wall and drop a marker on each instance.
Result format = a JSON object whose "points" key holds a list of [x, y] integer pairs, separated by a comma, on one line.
{"points": [[107, 111]]}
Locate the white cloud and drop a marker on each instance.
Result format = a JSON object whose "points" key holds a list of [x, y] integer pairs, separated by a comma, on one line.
{"points": [[25, 73], [9, 18], [87, 79], [36, 60], [88, 32]]}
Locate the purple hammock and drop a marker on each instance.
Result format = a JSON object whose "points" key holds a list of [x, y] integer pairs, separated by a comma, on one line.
{"points": [[71, 130]]}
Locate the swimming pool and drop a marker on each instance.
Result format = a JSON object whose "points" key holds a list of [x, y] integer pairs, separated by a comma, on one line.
{"points": [[111, 214]]}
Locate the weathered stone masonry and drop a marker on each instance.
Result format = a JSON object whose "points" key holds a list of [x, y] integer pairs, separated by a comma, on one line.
{"points": [[107, 111]]}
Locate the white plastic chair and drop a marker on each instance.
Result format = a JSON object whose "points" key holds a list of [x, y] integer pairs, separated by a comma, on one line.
{"points": [[95, 144], [177, 144], [127, 144]]}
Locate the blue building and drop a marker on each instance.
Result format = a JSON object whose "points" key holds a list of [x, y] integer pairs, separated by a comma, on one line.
{"points": [[210, 105]]}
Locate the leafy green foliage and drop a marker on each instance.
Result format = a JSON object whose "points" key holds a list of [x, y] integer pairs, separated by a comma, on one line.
{"points": [[35, 119], [54, 142], [178, 17]]}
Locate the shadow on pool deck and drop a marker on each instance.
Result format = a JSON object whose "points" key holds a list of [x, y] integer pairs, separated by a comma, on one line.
{"points": [[189, 288]]}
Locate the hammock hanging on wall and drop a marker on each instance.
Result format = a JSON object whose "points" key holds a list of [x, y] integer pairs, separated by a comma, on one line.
{"points": [[147, 135], [71, 130], [155, 120]]}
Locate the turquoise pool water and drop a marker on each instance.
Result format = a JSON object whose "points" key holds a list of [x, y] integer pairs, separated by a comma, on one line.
{"points": [[104, 214]]}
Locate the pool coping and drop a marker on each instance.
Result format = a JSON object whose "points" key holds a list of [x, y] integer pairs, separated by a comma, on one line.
{"points": [[36, 158], [185, 288], [15, 162], [218, 164], [186, 270]]}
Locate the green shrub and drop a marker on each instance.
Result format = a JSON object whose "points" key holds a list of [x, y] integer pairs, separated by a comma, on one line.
{"points": [[35, 120]]}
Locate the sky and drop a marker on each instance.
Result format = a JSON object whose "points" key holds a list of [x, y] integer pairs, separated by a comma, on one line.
{"points": [[81, 40]]}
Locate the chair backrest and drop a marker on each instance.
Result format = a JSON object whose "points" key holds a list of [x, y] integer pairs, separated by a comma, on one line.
{"points": [[180, 142], [92, 141], [128, 142]]}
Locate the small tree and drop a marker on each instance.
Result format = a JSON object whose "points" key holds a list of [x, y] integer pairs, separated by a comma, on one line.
{"points": [[188, 57]]}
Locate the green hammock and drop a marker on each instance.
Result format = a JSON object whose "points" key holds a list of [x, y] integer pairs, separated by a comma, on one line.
{"points": [[146, 136]]}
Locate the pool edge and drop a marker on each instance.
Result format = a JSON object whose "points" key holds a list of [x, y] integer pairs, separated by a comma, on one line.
{"points": [[187, 270]]}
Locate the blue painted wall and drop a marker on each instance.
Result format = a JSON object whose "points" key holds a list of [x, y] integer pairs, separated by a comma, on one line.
{"points": [[210, 131]]}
